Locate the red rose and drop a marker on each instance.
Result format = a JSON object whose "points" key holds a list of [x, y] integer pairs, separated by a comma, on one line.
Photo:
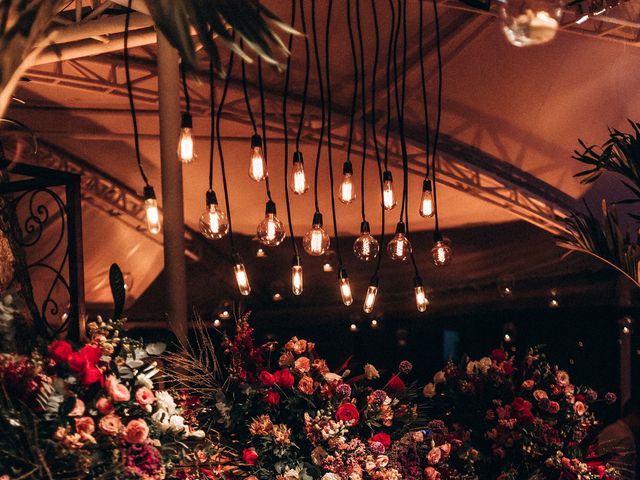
{"points": [[383, 438], [272, 398], [77, 362], [249, 456], [92, 374], [498, 355], [396, 385], [267, 378], [526, 418], [60, 350], [92, 353], [507, 368], [284, 378], [520, 405], [347, 412]]}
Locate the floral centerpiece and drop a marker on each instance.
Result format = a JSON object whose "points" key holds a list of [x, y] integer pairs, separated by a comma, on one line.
{"points": [[507, 422]]}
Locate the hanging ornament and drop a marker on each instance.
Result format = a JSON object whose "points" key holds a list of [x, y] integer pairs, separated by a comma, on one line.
{"points": [[422, 302], [296, 276], [242, 278], [345, 287]]}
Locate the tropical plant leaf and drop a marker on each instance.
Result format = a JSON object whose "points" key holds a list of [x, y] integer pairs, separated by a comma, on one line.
{"points": [[118, 290]]}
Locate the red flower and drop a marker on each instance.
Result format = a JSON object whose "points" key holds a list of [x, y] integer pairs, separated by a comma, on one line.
{"points": [[92, 353], [396, 385], [520, 405], [498, 355], [507, 367], [60, 350], [249, 456], [347, 412], [284, 378], [267, 378], [77, 362], [383, 438], [272, 398], [91, 375]]}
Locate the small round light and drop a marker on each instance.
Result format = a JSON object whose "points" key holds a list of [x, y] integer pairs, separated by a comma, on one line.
{"points": [[217, 323], [213, 222], [353, 327], [366, 247], [260, 253], [374, 323], [271, 230], [327, 267], [399, 248], [441, 251]]}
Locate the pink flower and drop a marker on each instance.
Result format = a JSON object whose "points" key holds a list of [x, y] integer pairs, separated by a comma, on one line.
{"points": [[305, 385], [272, 398], [431, 473], [144, 396], [580, 408], [528, 384], [85, 425], [302, 365], [446, 449], [540, 395], [110, 424], [554, 407], [60, 350], [104, 406], [562, 378], [136, 431], [78, 409], [267, 378], [348, 413], [383, 438], [117, 391], [284, 378], [249, 456], [434, 455], [498, 355]]}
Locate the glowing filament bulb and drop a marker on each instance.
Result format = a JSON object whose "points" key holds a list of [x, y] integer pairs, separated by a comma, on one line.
{"points": [[427, 207], [213, 222], [441, 250], [346, 193], [296, 276], [241, 275], [151, 210], [370, 298], [366, 247], [388, 195], [399, 247], [186, 152], [257, 166], [271, 229], [422, 302], [298, 182], [345, 288], [316, 241]]}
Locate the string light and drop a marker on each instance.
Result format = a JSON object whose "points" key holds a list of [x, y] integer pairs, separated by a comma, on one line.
{"points": [[298, 183], [426, 202], [242, 278], [316, 241], [213, 222], [422, 302], [347, 192], [271, 230], [296, 276], [257, 166], [441, 251], [151, 210], [399, 248], [389, 200], [366, 247], [345, 287], [370, 297], [186, 151]]}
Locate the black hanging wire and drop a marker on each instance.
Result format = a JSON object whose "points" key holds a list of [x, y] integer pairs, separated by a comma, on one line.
{"points": [[185, 87], [212, 92], [425, 106], [354, 96], [245, 90], [399, 112], [263, 120], [388, 77], [329, 146], [225, 89], [132, 107], [321, 90], [306, 75], [439, 114], [364, 114], [286, 130]]}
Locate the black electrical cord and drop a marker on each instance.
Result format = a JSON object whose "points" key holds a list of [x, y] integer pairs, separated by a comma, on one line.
{"points": [[212, 93], [389, 55], [354, 95], [254, 125], [323, 119], [439, 114], [329, 146], [263, 120], [185, 87], [425, 106], [399, 110], [286, 130], [132, 107], [364, 114], [306, 75], [227, 80]]}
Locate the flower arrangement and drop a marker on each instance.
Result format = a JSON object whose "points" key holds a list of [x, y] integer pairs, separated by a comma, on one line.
{"points": [[508, 422], [92, 412]]}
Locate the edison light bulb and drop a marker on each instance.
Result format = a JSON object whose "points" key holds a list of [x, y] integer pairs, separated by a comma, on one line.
{"points": [[298, 182], [530, 22], [441, 250], [370, 298], [213, 222], [316, 241], [151, 209], [427, 207], [271, 229], [422, 302], [366, 247], [346, 193], [296, 276], [257, 166], [345, 288], [186, 153], [399, 247], [388, 196], [241, 275]]}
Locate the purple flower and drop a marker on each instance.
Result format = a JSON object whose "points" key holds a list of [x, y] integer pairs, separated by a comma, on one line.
{"points": [[344, 390], [377, 448], [610, 398], [405, 367], [143, 460], [436, 425], [379, 396], [592, 395]]}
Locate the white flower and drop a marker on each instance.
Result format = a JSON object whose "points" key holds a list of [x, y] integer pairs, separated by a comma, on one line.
{"points": [[196, 433], [133, 363], [484, 364], [293, 473], [177, 422], [330, 476], [144, 381], [166, 402], [140, 353], [429, 390], [439, 377], [332, 377], [156, 348], [472, 366], [370, 372]]}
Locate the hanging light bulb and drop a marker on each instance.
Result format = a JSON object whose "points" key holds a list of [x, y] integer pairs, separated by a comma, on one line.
{"points": [[271, 229], [366, 247], [296, 276], [422, 302], [213, 222], [298, 182], [399, 247], [347, 193], [241, 275], [151, 208], [370, 297], [186, 152], [441, 250], [388, 196], [530, 22], [345, 288], [427, 208], [316, 241], [257, 166]]}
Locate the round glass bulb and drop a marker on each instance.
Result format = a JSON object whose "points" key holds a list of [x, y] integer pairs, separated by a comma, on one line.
{"points": [[530, 22], [271, 231], [213, 223], [441, 253], [399, 247], [316, 241], [366, 247]]}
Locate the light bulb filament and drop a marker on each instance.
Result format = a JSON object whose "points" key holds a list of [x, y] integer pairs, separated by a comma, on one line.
{"points": [[296, 279], [257, 169]]}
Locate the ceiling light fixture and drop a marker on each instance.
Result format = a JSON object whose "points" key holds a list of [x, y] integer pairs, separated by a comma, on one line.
{"points": [[186, 151]]}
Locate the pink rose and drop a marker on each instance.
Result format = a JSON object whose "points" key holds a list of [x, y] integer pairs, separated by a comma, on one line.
{"points": [[117, 391], [78, 409], [528, 384], [136, 431], [434, 455], [580, 408], [305, 385], [85, 425], [302, 365], [554, 407], [110, 424], [104, 406], [562, 378], [540, 395], [267, 378], [144, 396], [431, 473], [446, 449]]}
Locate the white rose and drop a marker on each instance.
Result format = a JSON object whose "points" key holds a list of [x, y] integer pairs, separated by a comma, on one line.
{"points": [[370, 372], [439, 377], [332, 377], [177, 422], [331, 476], [156, 348], [429, 390]]}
